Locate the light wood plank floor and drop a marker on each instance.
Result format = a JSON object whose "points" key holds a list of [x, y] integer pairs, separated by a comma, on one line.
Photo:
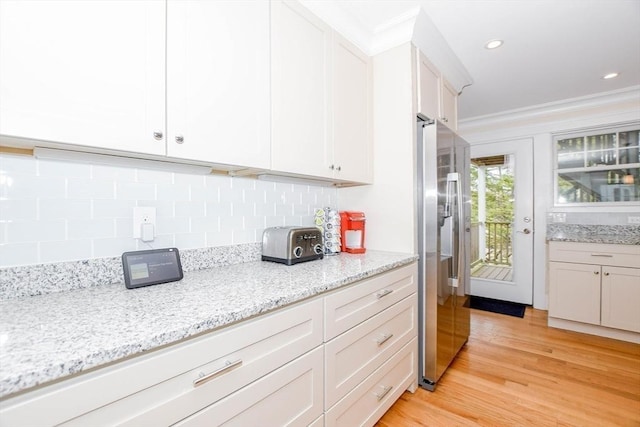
{"points": [[519, 372]]}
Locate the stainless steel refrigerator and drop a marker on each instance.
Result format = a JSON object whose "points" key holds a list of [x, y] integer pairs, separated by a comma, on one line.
{"points": [[443, 243]]}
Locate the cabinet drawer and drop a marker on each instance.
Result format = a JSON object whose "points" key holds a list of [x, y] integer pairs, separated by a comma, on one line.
{"points": [[290, 396], [595, 253], [354, 355], [366, 404], [346, 308], [160, 385]]}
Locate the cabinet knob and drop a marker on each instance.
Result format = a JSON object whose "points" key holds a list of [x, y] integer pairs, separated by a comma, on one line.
{"points": [[339, 168], [596, 272], [157, 135], [606, 273], [332, 167], [179, 139], [444, 119]]}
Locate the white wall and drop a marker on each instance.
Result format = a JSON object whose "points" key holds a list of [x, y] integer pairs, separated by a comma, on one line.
{"points": [[389, 202], [540, 123], [52, 211]]}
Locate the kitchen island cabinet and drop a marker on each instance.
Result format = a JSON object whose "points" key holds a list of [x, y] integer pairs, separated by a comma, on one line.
{"points": [[595, 288], [267, 364]]}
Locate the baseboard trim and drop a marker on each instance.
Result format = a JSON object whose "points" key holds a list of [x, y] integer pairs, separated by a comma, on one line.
{"points": [[594, 330]]}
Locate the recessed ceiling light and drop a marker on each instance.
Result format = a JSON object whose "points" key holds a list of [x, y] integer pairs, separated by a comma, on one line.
{"points": [[610, 76], [493, 44]]}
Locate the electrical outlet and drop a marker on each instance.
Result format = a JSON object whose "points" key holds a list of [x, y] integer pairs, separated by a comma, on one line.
{"points": [[142, 215], [633, 219]]}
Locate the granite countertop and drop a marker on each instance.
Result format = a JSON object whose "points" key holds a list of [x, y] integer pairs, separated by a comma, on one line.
{"points": [[581, 233], [47, 337]]}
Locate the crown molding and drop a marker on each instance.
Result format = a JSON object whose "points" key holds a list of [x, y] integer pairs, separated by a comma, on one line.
{"points": [[432, 43], [622, 105]]}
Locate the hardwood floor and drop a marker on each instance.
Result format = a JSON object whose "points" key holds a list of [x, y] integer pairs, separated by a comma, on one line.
{"points": [[519, 372]]}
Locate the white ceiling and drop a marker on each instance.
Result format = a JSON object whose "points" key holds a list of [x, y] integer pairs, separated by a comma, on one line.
{"points": [[553, 50]]}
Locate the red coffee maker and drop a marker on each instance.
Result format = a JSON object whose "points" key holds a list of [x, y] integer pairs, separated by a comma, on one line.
{"points": [[352, 232]]}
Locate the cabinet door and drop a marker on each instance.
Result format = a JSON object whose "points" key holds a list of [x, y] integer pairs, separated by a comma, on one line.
{"points": [[574, 292], [449, 107], [352, 113], [621, 298], [300, 66], [88, 73], [428, 87], [218, 81]]}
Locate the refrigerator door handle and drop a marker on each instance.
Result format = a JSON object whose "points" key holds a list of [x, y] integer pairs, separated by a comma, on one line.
{"points": [[457, 256]]}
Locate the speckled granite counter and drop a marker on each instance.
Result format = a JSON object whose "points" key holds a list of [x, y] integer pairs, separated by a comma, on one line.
{"points": [[46, 337], [584, 233]]}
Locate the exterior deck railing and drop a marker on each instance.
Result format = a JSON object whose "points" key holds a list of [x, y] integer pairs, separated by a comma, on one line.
{"points": [[498, 249]]}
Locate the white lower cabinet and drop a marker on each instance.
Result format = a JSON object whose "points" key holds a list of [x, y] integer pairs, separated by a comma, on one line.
{"points": [[277, 369], [370, 347], [161, 389], [366, 403], [595, 288]]}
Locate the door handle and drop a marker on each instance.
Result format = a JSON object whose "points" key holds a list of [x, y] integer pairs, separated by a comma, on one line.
{"points": [[525, 231]]}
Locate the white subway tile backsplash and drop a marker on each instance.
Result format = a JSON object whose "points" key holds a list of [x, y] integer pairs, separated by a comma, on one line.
{"points": [[190, 209], [91, 229], [90, 189], [135, 191], [243, 236], [220, 238], [13, 164], [113, 208], [243, 209], [19, 254], [124, 228], [205, 224], [113, 247], [22, 186], [18, 209], [65, 250], [172, 225], [34, 231], [65, 209], [190, 240], [54, 211], [154, 176], [173, 192], [51, 168]]}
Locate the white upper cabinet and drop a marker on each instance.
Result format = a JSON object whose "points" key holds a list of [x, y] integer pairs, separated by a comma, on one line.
{"points": [[437, 99], [352, 113], [449, 101], [321, 99], [218, 82], [89, 73], [428, 87], [301, 64]]}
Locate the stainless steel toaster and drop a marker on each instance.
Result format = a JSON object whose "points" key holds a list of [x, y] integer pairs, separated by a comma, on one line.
{"points": [[291, 245]]}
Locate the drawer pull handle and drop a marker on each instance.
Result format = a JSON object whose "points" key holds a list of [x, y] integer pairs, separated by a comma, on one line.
{"points": [[227, 367], [603, 255], [385, 391], [384, 339], [383, 293]]}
